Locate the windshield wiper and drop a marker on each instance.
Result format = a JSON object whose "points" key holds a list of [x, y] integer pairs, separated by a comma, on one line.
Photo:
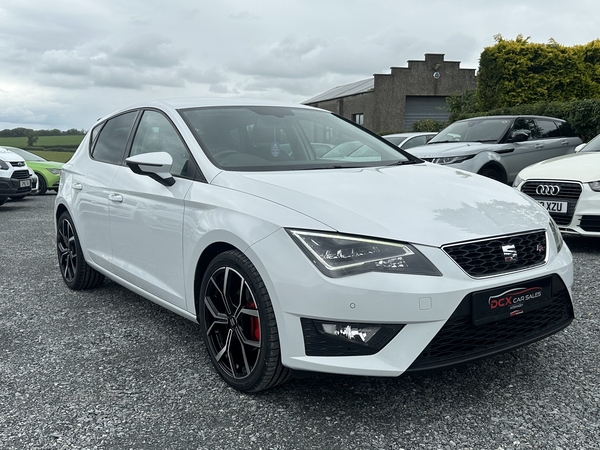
{"points": [[442, 142], [408, 161]]}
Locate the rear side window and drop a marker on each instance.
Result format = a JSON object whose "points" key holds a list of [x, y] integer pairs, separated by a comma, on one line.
{"points": [[565, 129], [546, 129], [112, 138]]}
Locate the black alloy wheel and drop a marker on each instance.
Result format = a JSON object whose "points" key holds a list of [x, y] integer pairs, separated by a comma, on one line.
{"points": [[238, 324], [76, 273]]}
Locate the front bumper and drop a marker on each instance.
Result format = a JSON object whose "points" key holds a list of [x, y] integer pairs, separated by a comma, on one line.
{"points": [[14, 186], [583, 213], [421, 305]]}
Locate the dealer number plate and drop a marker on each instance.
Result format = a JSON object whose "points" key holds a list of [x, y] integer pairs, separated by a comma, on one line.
{"points": [[511, 301], [555, 207]]}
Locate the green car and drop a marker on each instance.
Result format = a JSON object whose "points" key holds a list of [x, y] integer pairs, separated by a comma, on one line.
{"points": [[48, 172]]}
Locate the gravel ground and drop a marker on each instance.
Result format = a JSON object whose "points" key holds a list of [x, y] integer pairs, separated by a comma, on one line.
{"points": [[108, 369]]}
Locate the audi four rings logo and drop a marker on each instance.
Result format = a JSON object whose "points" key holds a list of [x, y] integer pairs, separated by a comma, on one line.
{"points": [[547, 189]]}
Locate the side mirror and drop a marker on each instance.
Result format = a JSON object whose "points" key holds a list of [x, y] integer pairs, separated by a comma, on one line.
{"points": [[580, 147], [155, 165]]}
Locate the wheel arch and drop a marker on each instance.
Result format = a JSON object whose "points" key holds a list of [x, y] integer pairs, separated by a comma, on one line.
{"points": [[206, 257], [60, 209], [495, 167]]}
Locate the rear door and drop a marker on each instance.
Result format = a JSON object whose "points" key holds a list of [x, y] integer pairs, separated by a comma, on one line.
{"points": [[90, 185]]}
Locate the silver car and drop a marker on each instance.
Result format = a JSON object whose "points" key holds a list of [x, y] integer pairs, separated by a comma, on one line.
{"points": [[498, 147]]}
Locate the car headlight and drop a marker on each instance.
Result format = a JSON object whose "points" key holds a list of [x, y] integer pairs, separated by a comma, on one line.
{"points": [[339, 255], [3, 165], [451, 159], [595, 186], [518, 181], [54, 171], [558, 240]]}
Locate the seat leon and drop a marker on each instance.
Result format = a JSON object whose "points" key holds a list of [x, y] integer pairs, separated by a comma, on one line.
{"points": [[360, 260]]}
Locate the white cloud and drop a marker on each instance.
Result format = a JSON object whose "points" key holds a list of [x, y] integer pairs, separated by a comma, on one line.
{"points": [[66, 63]]}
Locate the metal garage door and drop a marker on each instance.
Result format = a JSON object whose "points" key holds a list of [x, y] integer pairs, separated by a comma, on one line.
{"points": [[424, 107]]}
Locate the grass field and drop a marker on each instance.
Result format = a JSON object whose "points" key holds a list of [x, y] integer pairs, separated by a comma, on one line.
{"points": [[49, 155], [67, 141]]}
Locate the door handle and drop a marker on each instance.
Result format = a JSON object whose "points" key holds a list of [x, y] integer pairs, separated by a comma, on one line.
{"points": [[116, 198], [539, 145], [565, 142], [77, 186]]}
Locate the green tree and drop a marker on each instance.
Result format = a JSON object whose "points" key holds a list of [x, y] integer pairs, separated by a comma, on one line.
{"points": [[517, 72], [32, 137]]}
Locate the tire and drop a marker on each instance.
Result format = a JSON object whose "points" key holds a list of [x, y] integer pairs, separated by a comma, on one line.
{"points": [[238, 324], [491, 173], [42, 186], [76, 273]]}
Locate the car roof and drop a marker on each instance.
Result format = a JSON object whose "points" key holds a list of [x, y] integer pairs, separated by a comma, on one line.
{"points": [[174, 104], [410, 134], [526, 116]]}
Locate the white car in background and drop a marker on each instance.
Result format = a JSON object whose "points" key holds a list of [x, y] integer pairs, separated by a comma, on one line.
{"points": [[409, 140], [368, 262], [569, 188], [15, 177]]}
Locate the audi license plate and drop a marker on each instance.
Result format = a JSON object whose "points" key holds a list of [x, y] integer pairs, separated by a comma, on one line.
{"points": [[511, 301], [25, 183], [555, 207]]}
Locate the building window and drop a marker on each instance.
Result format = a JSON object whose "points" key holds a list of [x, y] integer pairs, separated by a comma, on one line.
{"points": [[359, 118]]}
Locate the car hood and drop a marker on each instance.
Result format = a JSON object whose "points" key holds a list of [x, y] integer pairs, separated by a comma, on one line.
{"points": [[452, 149], [420, 203], [7, 155], [584, 167], [45, 164]]}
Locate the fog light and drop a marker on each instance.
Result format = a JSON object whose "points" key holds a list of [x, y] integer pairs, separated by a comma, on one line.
{"points": [[325, 338], [360, 334]]}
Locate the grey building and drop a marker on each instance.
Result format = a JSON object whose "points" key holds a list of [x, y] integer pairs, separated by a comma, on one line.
{"points": [[392, 102]]}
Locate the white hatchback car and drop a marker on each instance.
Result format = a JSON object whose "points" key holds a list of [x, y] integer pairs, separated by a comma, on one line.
{"points": [[410, 140], [364, 263], [569, 188]]}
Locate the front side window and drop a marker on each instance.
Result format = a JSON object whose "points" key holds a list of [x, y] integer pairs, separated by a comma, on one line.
{"points": [[112, 136], [524, 126], [156, 134], [280, 138]]}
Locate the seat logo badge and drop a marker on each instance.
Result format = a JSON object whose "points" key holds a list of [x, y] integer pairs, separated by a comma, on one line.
{"points": [[510, 253], [547, 189]]}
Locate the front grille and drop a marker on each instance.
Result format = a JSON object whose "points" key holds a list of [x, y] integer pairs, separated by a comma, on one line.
{"points": [[487, 257], [460, 340], [569, 192], [20, 174], [590, 223]]}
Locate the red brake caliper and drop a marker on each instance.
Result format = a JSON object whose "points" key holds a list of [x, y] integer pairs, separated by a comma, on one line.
{"points": [[254, 325]]}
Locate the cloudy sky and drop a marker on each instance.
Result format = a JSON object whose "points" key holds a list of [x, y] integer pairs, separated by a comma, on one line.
{"points": [[65, 63]]}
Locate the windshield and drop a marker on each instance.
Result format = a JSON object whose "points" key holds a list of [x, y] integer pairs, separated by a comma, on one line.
{"points": [[250, 138], [477, 130], [593, 145]]}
